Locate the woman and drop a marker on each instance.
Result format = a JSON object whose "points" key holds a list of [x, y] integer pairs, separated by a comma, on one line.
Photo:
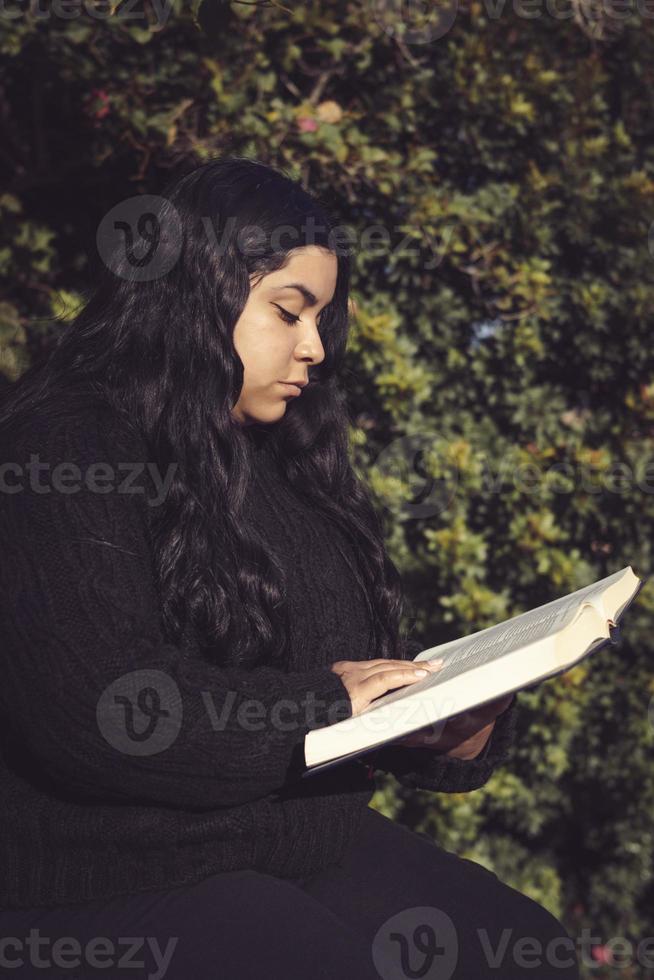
{"points": [[181, 601]]}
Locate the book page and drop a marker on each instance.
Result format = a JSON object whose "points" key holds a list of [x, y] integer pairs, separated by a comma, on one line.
{"points": [[480, 648], [494, 642]]}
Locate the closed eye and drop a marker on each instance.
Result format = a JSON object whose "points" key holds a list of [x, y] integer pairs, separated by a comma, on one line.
{"points": [[285, 315], [291, 318]]}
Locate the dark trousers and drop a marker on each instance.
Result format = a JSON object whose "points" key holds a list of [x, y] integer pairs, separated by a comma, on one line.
{"points": [[397, 907]]}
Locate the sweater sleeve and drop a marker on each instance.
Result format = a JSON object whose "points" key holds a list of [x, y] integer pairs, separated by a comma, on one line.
{"points": [[418, 767], [94, 695]]}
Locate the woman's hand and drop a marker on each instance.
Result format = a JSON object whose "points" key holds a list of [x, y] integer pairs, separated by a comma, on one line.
{"points": [[366, 680], [462, 736]]}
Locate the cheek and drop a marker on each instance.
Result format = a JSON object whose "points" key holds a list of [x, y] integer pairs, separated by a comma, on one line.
{"points": [[270, 348], [251, 337], [265, 350]]}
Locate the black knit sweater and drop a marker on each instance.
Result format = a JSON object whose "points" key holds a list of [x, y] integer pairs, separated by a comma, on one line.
{"points": [[115, 782]]}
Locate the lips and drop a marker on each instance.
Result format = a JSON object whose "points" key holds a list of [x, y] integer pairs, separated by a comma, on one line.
{"points": [[292, 387]]}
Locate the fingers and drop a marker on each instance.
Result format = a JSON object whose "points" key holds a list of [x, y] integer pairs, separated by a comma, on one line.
{"points": [[374, 666], [389, 662], [380, 679], [367, 680], [430, 735], [383, 679]]}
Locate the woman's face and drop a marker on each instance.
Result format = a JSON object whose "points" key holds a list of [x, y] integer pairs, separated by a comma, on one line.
{"points": [[273, 350]]}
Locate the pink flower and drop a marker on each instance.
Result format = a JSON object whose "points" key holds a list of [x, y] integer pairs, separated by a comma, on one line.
{"points": [[307, 125], [602, 954], [98, 103]]}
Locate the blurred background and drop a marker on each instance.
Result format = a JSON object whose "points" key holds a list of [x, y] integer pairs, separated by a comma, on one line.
{"points": [[495, 163]]}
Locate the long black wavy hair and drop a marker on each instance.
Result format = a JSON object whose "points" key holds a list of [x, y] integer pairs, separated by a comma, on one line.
{"points": [[158, 348]]}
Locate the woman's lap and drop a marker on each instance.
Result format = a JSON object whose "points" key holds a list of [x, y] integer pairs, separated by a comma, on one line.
{"points": [[241, 925], [405, 894], [396, 906]]}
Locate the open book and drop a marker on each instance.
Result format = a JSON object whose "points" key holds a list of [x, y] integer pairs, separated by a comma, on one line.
{"points": [[482, 666]]}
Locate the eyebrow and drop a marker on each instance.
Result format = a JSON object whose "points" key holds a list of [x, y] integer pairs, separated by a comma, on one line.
{"points": [[308, 295]]}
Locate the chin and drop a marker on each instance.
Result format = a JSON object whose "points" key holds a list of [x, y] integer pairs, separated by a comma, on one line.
{"points": [[266, 417]]}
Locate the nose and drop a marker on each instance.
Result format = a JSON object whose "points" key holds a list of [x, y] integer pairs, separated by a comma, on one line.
{"points": [[310, 347]]}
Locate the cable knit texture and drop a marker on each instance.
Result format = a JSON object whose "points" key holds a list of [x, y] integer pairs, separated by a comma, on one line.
{"points": [[93, 802]]}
